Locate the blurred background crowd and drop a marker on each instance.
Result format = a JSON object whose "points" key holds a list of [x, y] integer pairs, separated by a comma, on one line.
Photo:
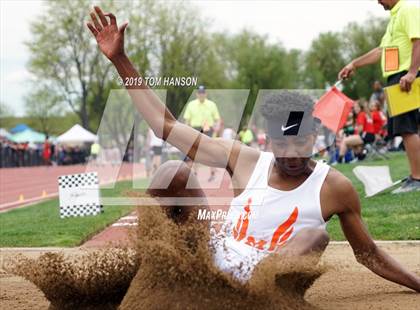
{"points": [[364, 133]]}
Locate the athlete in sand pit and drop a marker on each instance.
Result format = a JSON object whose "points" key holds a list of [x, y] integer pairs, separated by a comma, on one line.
{"points": [[296, 194]]}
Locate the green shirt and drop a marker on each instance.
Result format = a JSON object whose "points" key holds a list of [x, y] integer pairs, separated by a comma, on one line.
{"points": [[246, 136], [95, 148], [201, 114], [403, 26]]}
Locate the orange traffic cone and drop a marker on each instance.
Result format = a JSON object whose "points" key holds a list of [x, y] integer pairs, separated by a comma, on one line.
{"points": [[332, 109]]}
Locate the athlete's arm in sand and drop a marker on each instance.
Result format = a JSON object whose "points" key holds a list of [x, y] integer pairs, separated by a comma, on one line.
{"points": [[215, 152], [341, 198]]}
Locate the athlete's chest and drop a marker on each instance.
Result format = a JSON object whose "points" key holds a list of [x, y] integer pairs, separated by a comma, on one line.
{"points": [[268, 220]]}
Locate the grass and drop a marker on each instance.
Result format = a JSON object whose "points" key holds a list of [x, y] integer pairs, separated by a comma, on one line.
{"points": [[40, 225], [387, 216]]}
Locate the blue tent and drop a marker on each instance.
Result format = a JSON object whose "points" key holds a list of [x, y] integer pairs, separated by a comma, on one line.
{"points": [[20, 128], [28, 136]]}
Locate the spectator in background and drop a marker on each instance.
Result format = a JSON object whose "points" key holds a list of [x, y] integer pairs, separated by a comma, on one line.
{"points": [[348, 130], [203, 115], [380, 126], [95, 148], [53, 154], [261, 140], [378, 94], [246, 136], [228, 133], [155, 146], [369, 123], [46, 152]]}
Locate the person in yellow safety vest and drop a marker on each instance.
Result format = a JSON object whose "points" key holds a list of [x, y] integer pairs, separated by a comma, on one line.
{"points": [[399, 53], [203, 115], [95, 148]]}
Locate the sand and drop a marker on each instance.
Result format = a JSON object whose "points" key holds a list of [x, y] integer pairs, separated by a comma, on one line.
{"points": [[92, 280], [176, 271], [351, 287]]}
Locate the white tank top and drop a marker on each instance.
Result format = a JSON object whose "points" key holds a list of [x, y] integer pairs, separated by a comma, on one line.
{"points": [[262, 219]]}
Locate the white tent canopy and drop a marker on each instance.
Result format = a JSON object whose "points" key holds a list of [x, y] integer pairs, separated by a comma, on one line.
{"points": [[77, 135], [4, 133]]}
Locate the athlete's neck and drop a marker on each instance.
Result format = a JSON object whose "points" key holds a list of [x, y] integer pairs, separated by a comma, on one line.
{"points": [[279, 179]]}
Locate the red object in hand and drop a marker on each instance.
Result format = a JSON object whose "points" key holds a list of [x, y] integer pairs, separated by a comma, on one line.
{"points": [[332, 109]]}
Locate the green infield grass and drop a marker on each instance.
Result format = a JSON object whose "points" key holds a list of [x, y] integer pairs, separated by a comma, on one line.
{"points": [[388, 217], [39, 225]]}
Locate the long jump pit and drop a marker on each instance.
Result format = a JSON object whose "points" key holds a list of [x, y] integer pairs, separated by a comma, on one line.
{"points": [[171, 268]]}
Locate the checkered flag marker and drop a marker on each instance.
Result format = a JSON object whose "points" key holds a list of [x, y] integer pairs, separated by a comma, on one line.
{"points": [[79, 194]]}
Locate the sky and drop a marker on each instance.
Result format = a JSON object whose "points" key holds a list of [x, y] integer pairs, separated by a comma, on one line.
{"points": [[294, 23]]}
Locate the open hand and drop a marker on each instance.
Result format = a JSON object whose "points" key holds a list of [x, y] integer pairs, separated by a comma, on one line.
{"points": [[109, 37]]}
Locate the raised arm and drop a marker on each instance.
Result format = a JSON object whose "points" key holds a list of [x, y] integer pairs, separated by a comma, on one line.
{"points": [[213, 152], [364, 248]]}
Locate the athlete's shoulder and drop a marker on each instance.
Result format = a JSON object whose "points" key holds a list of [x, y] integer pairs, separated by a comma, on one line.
{"points": [[338, 194], [337, 184]]}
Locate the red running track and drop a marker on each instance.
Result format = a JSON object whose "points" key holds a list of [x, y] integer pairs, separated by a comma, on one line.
{"points": [[22, 186]]}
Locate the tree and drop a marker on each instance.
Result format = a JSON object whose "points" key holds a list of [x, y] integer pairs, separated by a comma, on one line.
{"points": [[42, 105], [183, 47], [162, 40], [330, 51], [359, 39], [5, 110], [323, 60], [64, 55], [257, 64]]}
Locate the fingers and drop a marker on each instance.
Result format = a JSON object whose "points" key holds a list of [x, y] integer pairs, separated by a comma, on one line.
{"points": [[101, 15], [402, 87], [408, 87], [95, 21], [92, 29], [405, 85], [344, 74], [122, 28], [348, 74], [112, 18]]}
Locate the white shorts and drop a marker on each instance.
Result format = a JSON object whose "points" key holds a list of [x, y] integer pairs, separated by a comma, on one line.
{"points": [[235, 258]]}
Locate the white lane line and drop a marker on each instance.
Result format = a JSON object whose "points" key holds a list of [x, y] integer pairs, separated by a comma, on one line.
{"points": [[26, 201], [118, 224], [128, 218]]}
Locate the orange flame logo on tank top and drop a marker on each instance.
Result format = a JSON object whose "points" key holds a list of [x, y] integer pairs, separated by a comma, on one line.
{"points": [[239, 232], [284, 231], [280, 235]]}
